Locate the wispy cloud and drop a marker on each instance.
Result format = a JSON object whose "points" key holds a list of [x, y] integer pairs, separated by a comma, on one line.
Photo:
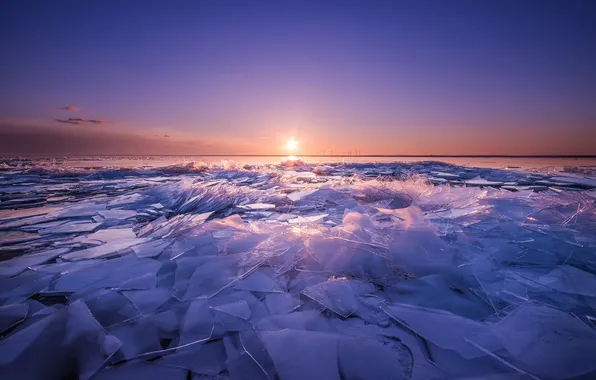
{"points": [[68, 108], [70, 121], [79, 121], [166, 135]]}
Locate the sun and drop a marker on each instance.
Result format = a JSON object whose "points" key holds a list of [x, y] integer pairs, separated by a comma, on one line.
{"points": [[292, 145]]}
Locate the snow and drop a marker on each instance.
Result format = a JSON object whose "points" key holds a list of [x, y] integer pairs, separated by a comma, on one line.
{"points": [[344, 270]]}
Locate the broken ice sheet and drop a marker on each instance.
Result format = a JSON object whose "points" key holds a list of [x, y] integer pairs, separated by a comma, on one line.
{"points": [[80, 209], [283, 303], [311, 320], [331, 356], [543, 341], [385, 359], [109, 273], [450, 293], [258, 206], [340, 296], [13, 237], [186, 224], [197, 325], [205, 359], [298, 195], [104, 250], [476, 252], [10, 315], [209, 278], [569, 279], [138, 336], [141, 370], [147, 301], [151, 248], [308, 219], [108, 235], [6, 215], [233, 309], [144, 281], [64, 267], [18, 264], [117, 214], [110, 307], [478, 181], [237, 309], [442, 328], [242, 364], [259, 281], [23, 286], [68, 342], [243, 242]]}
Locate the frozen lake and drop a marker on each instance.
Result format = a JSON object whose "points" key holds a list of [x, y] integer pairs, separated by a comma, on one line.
{"points": [[527, 163], [320, 268]]}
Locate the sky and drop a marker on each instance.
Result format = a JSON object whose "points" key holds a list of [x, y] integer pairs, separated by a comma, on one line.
{"points": [[504, 77]]}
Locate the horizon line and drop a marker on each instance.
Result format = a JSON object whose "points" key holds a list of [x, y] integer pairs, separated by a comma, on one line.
{"points": [[309, 155]]}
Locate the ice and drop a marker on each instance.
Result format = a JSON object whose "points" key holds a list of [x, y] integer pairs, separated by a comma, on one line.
{"points": [[151, 248], [65, 267], [258, 281], [204, 359], [385, 359], [117, 214], [311, 320], [241, 363], [291, 349], [19, 264], [107, 249], [146, 371], [237, 309], [147, 301], [10, 315], [340, 296], [331, 356], [66, 342], [6, 215], [139, 336], [298, 195], [308, 219], [24, 285], [70, 228], [110, 307], [197, 326], [14, 237], [478, 181], [543, 341], [582, 181], [281, 303], [342, 270], [109, 235], [448, 293], [568, 279], [258, 206], [442, 328], [110, 273]]}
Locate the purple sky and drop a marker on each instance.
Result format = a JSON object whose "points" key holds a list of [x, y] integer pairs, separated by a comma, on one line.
{"points": [[223, 77]]}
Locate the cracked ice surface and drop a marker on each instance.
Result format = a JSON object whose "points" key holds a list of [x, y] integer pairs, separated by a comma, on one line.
{"points": [[338, 271]]}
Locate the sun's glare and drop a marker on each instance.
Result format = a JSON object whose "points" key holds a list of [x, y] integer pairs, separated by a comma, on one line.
{"points": [[292, 145]]}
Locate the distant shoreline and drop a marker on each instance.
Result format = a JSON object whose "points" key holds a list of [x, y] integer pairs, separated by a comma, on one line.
{"points": [[298, 156]]}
